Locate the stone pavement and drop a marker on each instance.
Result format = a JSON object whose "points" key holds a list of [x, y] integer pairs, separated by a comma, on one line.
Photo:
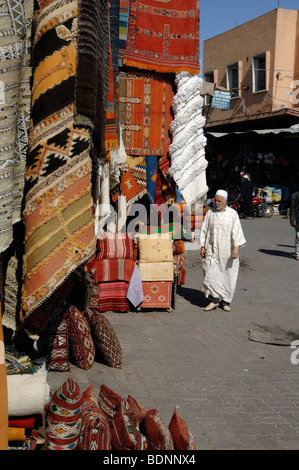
{"points": [[234, 393]]}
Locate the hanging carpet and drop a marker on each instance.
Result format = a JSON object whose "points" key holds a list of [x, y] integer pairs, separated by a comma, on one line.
{"points": [[123, 29], [145, 113], [163, 36], [59, 230], [15, 72]]}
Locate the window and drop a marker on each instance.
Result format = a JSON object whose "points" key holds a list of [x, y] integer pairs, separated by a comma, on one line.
{"points": [[232, 79], [209, 78], [259, 75]]}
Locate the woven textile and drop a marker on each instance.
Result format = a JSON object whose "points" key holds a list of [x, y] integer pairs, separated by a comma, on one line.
{"points": [[157, 433], [113, 296], [58, 205], [3, 392], [81, 342], [59, 345], [111, 140], [105, 338], [15, 73], [63, 417], [92, 74], [144, 112], [161, 271], [151, 176], [124, 429], [123, 29], [109, 270], [187, 150], [181, 436], [95, 431], [163, 36], [109, 400], [157, 294], [115, 245], [138, 408], [129, 187]]}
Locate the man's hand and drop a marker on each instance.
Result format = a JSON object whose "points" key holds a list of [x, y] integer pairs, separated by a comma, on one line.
{"points": [[235, 253], [294, 224], [203, 252]]}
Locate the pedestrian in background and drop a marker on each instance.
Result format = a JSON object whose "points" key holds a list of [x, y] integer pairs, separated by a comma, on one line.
{"points": [[247, 189], [294, 219], [221, 236]]}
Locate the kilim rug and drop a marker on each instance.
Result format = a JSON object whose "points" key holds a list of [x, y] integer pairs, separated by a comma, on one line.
{"points": [[187, 150], [108, 270], [113, 296], [157, 294], [145, 112], [59, 231], [163, 36], [15, 72]]}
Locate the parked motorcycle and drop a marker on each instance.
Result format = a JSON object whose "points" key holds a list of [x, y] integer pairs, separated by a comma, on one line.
{"points": [[261, 208]]}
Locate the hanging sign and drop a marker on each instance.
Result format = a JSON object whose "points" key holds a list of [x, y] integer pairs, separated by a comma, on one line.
{"points": [[221, 99]]}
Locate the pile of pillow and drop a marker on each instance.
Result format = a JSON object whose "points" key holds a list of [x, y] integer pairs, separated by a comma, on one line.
{"points": [[83, 421]]}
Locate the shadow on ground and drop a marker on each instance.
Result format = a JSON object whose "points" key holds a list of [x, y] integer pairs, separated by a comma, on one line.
{"points": [[276, 253], [194, 296]]}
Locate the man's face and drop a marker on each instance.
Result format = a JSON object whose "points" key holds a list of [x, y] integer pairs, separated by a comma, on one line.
{"points": [[220, 203]]}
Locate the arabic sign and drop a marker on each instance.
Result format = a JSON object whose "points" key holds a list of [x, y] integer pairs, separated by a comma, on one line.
{"points": [[221, 99]]}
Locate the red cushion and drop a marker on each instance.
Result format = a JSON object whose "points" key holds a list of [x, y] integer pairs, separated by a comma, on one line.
{"points": [[81, 342], [182, 438]]}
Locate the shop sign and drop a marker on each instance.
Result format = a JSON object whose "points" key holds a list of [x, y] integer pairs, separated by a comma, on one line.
{"points": [[221, 99]]}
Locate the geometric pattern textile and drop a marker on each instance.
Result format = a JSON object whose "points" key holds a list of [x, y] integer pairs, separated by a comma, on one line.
{"points": [[145, 112], [124, 429], [108, 401], [156, 294], [15, 74], [63, 417], [182, 438], [137, 407], [81, 342], [105, 339], [163, 36], [95, 431], [59, 232]]}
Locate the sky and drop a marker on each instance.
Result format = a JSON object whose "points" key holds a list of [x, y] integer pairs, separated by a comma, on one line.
{"points": [[218, 16]]}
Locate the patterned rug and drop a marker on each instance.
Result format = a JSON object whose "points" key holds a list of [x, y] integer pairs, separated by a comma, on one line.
{"points": [[144, 113], [157, 294], [163, 36], [59, 231], [123, 29], [113, 296], [15, 72]]}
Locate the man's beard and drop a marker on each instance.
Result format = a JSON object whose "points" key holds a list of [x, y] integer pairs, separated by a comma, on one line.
{"points": [[220, 208]]}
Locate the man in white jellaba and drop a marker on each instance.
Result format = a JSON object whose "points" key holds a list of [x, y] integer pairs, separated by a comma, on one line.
{"points": [[221, 237]]}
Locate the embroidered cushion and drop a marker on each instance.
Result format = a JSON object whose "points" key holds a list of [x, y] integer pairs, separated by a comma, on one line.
{"points": [[95, 432], [115, 245], [59, 354], [63, 417], [105, 339], [138, 408], [181, 436], [81, 342], [157, 433], [108, 401], [124, 429], [153, 250]]}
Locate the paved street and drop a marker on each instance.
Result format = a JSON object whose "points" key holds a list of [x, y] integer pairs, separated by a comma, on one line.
{"points": [[233, 392]]}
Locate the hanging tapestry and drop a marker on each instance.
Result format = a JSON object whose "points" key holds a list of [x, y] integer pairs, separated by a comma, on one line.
{"points": [[145, 113], [111, 141], [163, 36], [114, 9], [156, 294], [129, 187], [123, 28], [187, 150], [59, 231], [15, 72]]}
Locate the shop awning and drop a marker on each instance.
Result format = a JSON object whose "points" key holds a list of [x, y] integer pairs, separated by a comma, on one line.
{"points": [[290, 130]]}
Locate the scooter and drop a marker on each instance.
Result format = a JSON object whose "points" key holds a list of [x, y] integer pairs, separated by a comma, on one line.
{"points": [[261, 208]]}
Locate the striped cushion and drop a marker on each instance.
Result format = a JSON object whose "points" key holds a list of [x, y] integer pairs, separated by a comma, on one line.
{"points": [[115, 245]]}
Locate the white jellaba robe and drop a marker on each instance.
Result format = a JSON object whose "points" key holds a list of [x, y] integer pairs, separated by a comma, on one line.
{"points": [[221, 232]]}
